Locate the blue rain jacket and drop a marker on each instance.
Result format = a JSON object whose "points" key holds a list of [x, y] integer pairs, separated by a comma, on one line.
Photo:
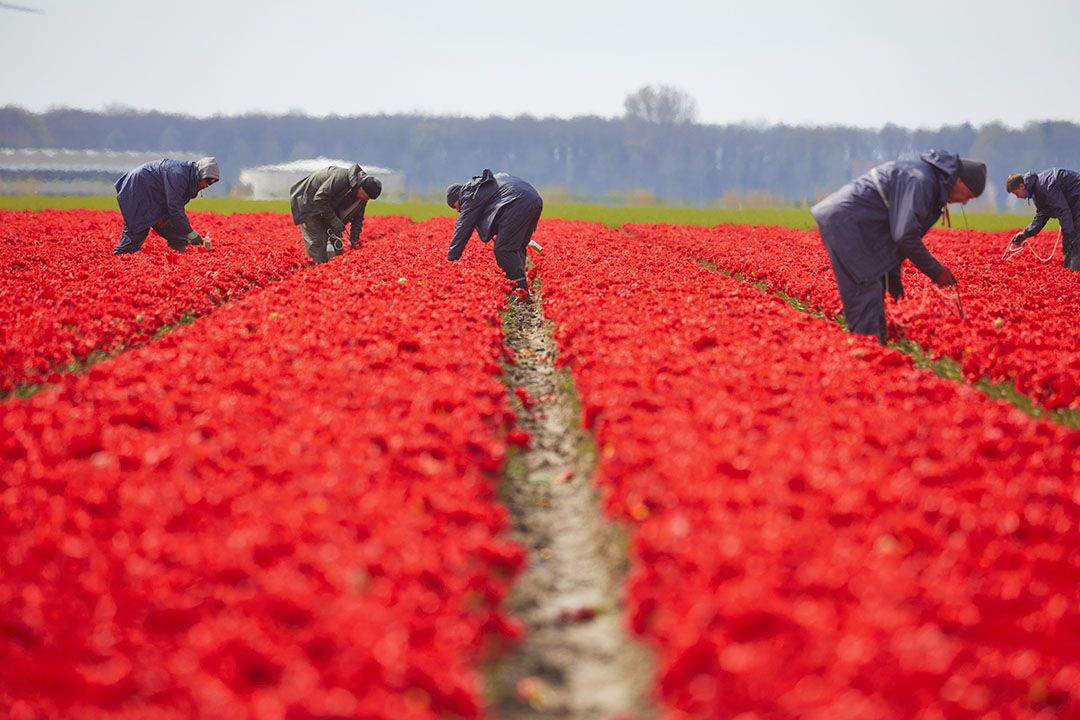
{"points": [[484, 201], [1056, 194], [158, 191], [875, 222]]}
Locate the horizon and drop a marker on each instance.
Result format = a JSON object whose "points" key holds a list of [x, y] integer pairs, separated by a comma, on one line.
{"points": [[751, 124]]}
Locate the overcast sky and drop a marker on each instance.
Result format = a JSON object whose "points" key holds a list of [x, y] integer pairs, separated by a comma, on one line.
{"points": [[916, 63]]}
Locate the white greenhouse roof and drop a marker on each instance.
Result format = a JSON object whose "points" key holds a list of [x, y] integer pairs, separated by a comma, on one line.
{"points": [[310, 165], [37, 159]]}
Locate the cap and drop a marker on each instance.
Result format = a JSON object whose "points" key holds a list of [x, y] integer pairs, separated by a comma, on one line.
{"points": [[973, 173], [372, 186], [453, 194]]}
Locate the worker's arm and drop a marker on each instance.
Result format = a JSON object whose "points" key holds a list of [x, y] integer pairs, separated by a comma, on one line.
{"points": [[357, 224], [326, 198], [176, 181], [463, 229], [910, 208]]}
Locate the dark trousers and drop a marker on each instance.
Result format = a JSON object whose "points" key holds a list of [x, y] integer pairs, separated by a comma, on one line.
{"points": [[864, 302], [174, 232], [516, 227], [1070, 249]]}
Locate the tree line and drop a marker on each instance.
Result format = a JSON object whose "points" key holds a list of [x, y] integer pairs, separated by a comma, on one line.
{"points": [[650, 152]]}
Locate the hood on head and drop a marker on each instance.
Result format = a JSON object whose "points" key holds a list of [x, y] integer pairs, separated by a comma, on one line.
{"points": [[208, 169]]}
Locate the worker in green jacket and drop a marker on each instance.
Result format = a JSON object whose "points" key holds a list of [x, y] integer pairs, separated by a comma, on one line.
{"points": [[322, 204]]}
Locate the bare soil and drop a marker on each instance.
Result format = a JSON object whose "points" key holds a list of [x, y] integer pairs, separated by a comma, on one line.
{"points": [[577, 660]]}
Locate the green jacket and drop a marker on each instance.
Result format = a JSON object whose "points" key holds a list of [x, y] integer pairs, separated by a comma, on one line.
{"points": [[328, 196]]}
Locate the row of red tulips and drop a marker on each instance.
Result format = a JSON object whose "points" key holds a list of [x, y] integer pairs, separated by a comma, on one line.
{"points": [[64, 296], [1019, 316], [818, 529], [283, 510]]}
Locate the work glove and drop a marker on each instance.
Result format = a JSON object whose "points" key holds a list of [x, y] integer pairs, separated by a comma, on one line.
{"points": [[945, 278], [1019, 238], [194, 238]]}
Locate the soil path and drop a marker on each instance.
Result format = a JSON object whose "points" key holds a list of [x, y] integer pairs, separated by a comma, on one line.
{"points": [[577, 660]]}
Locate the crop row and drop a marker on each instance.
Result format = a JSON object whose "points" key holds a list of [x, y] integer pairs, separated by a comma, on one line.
{"points": [[285, 509], [63, 296], [1018, 325], [818, 529]]}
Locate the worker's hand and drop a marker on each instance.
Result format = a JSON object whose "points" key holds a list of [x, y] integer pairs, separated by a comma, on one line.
{"points": [[1019, 238], [194, 238], [945, 278]]}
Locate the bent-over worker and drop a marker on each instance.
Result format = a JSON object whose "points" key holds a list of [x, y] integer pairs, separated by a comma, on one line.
{"points": [[875, 222], [153, 196], [497, 206]]}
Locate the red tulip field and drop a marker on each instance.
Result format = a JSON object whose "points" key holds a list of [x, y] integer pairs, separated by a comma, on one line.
{"points": [[289, 507]]}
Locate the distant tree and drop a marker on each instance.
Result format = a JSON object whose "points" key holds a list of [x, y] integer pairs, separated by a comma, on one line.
{"points": [[662, 105]]}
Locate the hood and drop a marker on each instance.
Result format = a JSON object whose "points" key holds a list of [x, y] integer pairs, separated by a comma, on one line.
{"points": [[208, 169], [948, 163], [1031, 180], [356, 174]]}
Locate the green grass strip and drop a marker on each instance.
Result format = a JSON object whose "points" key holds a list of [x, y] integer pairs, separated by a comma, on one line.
{"points": [[613, 216], [82, 364]]}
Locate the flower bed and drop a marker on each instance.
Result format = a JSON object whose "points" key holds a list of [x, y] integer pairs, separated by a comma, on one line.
{"points": [[285, 509], [1019, 321], [818, 529], [63, 295]]}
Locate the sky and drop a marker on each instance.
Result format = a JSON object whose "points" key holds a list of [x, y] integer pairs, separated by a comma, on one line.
{"points": [[913, 63]]}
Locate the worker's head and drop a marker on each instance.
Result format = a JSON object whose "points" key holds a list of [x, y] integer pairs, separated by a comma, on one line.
{"points": [[1014, 185], [970, 182], [370, 188], [453, 196], [209, 172]]}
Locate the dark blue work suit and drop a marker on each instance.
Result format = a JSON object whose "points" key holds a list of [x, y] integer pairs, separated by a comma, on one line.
{"points": [[503, 207], [874, 223], [153, 196], [1056, 194]]}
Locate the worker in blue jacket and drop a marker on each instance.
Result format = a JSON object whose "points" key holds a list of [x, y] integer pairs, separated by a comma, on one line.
{"points": [[1056, 193], [153, 196], [875, 222], [499, 206]]}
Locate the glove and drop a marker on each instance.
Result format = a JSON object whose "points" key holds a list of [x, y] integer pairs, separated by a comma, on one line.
{"points": [[945, 278], [1019, 238], [194, 238]]}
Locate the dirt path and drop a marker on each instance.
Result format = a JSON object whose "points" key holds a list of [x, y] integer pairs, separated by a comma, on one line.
{"points": [[577, 661]]}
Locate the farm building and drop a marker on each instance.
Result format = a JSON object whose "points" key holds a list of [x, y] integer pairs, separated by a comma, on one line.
{"points": [[272, 182], [44, 171]]}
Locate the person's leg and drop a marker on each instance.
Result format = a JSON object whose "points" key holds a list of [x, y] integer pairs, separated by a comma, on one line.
{"points": [[315, 241], [1070, 251], [130, 242], [515, 230], [864, 303]]}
